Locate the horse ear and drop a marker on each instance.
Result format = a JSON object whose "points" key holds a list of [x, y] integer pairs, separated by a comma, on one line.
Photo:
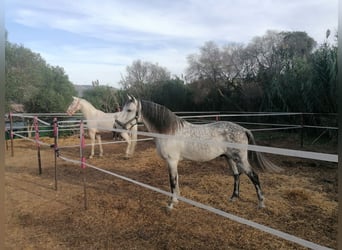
{"points": [[131, 98], [74, 97]]}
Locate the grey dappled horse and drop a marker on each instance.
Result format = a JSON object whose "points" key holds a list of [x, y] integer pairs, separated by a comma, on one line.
{"points": [[196, 142], [98, 121]]}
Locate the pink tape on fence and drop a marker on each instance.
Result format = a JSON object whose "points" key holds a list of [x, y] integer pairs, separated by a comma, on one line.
{"points": [[82, 135], [83, 142], [83, 162], [55, 127]]}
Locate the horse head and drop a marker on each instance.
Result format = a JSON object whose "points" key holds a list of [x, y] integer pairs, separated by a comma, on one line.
{"points": [[74, 106], [130, 114]]}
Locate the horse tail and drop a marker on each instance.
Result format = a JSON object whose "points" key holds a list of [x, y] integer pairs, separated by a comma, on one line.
{"points": [[261, 161]]}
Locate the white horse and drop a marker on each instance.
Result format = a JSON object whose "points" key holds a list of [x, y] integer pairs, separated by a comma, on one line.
{"points": [[185, 143], [98, 121]]}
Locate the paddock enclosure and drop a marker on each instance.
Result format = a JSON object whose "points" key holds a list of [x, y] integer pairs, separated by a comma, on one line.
{"points": [[301, 201]]}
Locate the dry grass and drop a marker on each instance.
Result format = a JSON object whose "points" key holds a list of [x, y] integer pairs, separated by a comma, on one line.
{"points": [[301, 201]]}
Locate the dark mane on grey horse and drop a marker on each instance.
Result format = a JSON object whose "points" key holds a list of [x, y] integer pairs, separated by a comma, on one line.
{"points": [[161, 118]]}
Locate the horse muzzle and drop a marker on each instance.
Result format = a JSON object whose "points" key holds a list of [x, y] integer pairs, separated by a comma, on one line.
{"points": [[122, 125], [70, 113], [128, 125]]}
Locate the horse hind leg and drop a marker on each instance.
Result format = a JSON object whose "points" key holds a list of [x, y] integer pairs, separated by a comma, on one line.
{"points": [[255, 179], [242, 164], [173, 176], [236, 174]]}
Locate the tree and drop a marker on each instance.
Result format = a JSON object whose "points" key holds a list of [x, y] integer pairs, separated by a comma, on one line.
{"points": [[173, 94], [103, 98], [141, 78], [279, 66], [54, 93], [206, 65], [34, 83], [321, 90], [24, 73], [215, 74], [95, 83]]}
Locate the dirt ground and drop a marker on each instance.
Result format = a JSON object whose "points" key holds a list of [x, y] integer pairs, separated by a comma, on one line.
{"points": [[302, 201]]}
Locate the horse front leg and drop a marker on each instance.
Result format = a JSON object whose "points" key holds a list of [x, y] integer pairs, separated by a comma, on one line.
{"points": [[92, 139], [133, 140], [173, 176], [100, 144], [125, 136]]}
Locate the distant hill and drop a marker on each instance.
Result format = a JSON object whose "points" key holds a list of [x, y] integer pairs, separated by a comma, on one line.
{"points": [[81, 88]]}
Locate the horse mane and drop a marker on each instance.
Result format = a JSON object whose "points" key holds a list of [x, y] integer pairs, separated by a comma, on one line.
{"points": [[86, 102], [160, 118]]}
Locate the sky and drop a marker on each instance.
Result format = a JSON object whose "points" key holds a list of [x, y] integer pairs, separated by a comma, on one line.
{"points": [[97, 40]]}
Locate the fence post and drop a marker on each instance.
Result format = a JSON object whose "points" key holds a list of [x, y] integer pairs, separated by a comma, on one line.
{"points": [[302, 130], [55, 146], [36, 136], [6, 139], [83, 161], [11, 133]]}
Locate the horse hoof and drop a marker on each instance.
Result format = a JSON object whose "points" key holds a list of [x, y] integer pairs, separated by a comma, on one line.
{"points": [[233, 198], [90, 157], [261, 205], [169, 207]]}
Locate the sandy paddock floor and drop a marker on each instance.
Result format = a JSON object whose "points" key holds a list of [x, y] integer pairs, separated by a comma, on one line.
{"points": [[301, 201]]}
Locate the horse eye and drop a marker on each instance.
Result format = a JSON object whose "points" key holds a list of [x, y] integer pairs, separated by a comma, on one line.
{"points": [[129, 110]]}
